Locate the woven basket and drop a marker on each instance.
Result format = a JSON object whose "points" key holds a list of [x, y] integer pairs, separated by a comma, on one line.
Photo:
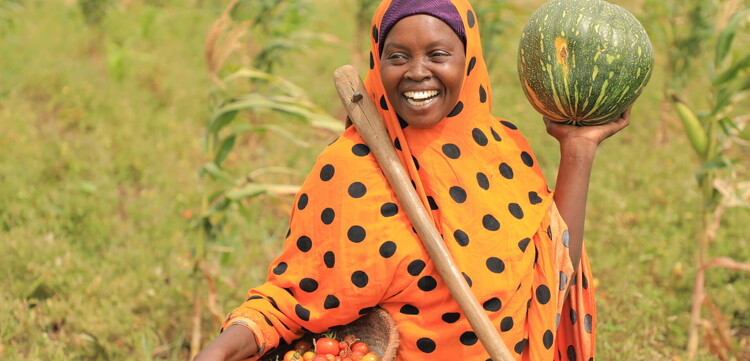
{"points": [[376, 328]]}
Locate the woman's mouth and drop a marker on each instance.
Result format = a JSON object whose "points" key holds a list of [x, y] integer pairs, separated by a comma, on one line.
{"points": [[420, 98]]}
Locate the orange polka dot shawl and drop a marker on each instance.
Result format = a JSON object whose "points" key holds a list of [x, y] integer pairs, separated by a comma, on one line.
{"points": [[351, 247]]}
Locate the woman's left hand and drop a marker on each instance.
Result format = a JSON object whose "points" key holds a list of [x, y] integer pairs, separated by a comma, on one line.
{"points": [[565, 134]]}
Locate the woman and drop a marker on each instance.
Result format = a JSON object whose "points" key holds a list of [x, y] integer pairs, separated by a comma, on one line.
{"points": [[351, 247]]}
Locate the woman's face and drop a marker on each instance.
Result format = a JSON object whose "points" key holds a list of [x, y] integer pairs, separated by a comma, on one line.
{"points": [[422, 69]]}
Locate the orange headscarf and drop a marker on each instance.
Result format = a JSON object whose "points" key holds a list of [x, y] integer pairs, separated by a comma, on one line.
{"points": [[351, 246]]}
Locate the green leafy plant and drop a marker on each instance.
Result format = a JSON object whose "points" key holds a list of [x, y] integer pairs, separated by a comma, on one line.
{"points": [[683, 37], [719, 137], [247, 102]]}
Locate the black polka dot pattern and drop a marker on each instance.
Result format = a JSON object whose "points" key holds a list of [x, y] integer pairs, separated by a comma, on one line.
{"points": [[458, 194], [329, 259], [402, 122], [472, 64], [302, 202], [308, 285], [482, 95], [509, 125], [548, 339], [280, 268], [467, 279], [302, 313], [495, 265], [451, 151], [496, 136], [304, 244], [426, 345], [470, 19], [506, 324], [479, 137], [433, 204], [427, 283], [571, 353], [490, 223], [326, 173], [331, 302], [387, 249], [327, 216], [383, 103], [416, 267], [515, 210], [356, 234], [360, 279], [520, 346], [409, 310], [457, 110], [527, 159], [468, 338], [506, 171], [493, 304], [357, 190], [361, 150], [534, 198], [461, 238], [483, 181], [389, 209], [543, 294], [451, 317], [375, 34]]}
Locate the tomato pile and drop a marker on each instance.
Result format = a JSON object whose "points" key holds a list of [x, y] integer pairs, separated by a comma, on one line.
{"points": [[328, 348]]}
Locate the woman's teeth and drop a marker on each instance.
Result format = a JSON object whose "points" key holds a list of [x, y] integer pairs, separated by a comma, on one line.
{"points": [[421, 97]]}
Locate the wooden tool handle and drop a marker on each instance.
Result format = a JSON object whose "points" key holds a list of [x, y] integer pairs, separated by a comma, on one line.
{"points": [[362, 112]]}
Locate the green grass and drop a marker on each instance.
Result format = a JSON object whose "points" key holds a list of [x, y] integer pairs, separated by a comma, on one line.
{"points": [[100, 131]]}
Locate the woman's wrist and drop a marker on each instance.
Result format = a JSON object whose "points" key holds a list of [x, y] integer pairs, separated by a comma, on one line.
{"points": [[237, 342], [579, 149]]}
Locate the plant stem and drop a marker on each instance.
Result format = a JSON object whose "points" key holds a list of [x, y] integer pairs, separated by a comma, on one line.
{"points": [[698, 294]]}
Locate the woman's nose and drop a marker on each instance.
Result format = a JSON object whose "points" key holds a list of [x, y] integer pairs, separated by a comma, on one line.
{"points": [[417, 71]]}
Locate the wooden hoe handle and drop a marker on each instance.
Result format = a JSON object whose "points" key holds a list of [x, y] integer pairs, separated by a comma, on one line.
{"points": [[364, 115]]}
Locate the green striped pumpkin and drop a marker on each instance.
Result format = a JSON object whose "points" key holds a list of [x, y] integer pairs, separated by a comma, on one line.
{"points": [[583, 62]]}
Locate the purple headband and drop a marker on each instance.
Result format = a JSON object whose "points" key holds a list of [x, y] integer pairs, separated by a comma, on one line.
{"points": [[441, 9]]}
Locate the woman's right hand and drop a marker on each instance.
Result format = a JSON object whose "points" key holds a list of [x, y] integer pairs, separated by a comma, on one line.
{"points": [[236, 343]]}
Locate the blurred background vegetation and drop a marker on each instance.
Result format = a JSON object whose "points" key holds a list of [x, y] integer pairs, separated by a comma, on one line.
{"points": [[150, 150]]}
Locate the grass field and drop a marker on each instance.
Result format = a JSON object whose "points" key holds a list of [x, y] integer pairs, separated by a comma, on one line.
{"points": [[100, 146]]}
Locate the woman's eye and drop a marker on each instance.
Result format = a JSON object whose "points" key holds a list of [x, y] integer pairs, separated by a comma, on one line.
{"points": [[397, 58], [438, 55]]}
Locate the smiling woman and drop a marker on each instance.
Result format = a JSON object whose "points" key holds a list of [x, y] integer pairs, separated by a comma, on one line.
{"points": [[422, 67], [351, 247]]}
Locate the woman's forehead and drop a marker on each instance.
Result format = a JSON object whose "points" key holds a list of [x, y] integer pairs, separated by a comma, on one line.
{"points": [[423, 29], [444, 10]]}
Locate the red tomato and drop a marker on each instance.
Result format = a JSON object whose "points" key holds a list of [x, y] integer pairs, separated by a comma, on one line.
{"points": [[360, 347], [326, 345], [370, 357], [330, 357], [337, 358], [302, 346], [319, 358], [356, 356], [292, 355]]}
